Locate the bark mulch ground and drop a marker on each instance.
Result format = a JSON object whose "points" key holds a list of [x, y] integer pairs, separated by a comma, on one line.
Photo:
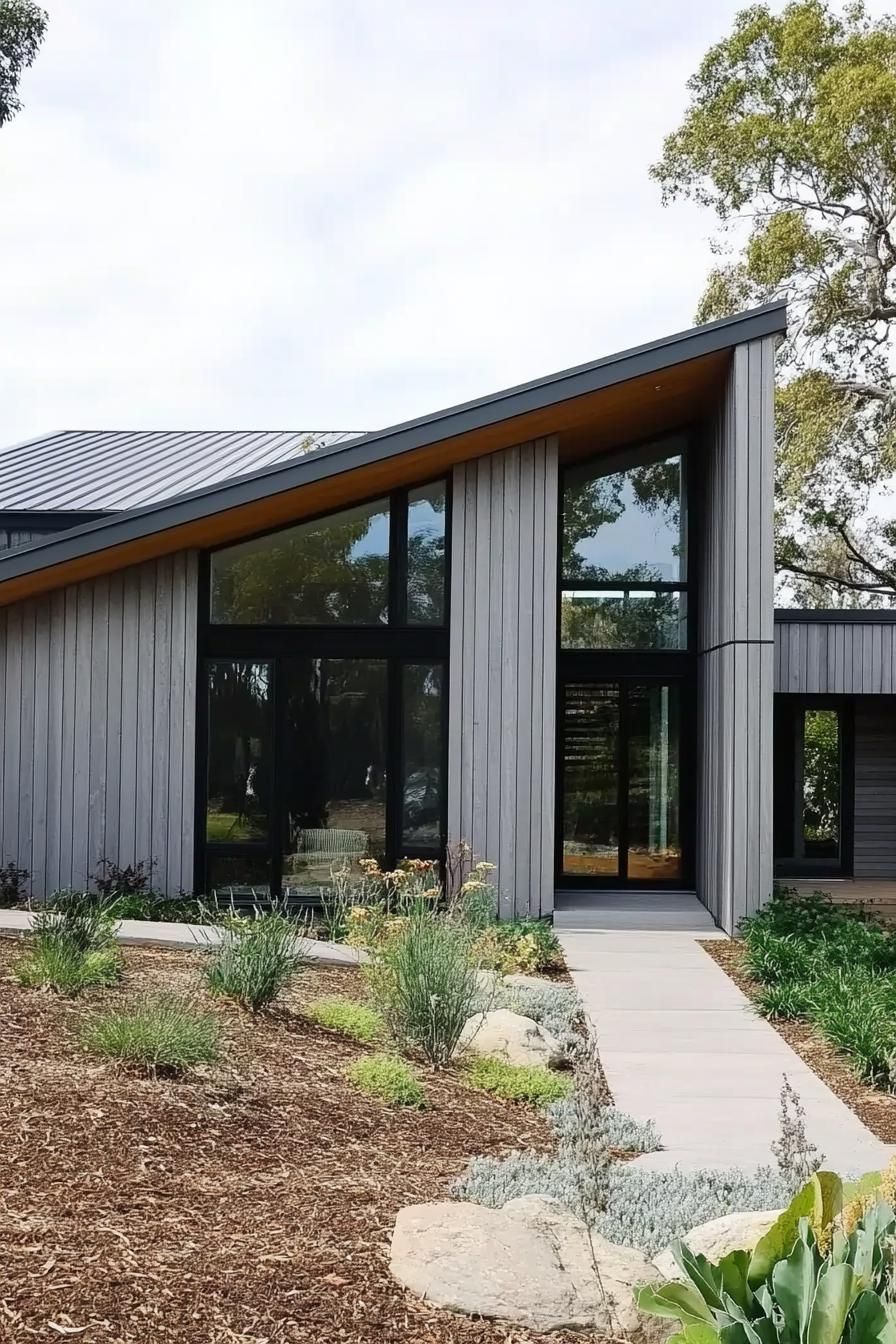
{"points": [[875, 1108], [251, 1203]]}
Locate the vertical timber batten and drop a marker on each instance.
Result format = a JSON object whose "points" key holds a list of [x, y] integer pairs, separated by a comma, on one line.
{"points": [[503, 669], [98, 726], [736, 643]]}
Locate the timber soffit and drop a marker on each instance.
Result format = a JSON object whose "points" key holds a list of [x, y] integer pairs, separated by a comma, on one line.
{"points": [[402, 438]]}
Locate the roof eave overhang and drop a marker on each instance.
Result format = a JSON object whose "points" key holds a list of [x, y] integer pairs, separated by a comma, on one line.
{"points": [[511, 407]]}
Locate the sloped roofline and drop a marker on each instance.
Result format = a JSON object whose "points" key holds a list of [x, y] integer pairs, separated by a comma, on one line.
{"points": [[540, 394]]}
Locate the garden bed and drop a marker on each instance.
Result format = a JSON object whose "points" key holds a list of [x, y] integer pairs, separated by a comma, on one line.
{"points": [[251, 1201], [875, 1108]]}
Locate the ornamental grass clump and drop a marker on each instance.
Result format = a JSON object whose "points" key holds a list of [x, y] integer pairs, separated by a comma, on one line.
{"points": [[258, 958], [162, 1034], [72, 946], [832, 967], [423, 982]]}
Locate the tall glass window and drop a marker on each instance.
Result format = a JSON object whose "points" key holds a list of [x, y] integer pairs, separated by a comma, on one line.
{"points": [[813, 761], [333, 571], [426, 555], [624, 553], [422, 755], [333, 768]]}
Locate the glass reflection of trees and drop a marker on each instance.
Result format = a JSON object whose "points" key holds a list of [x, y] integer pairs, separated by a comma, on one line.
{"points": [[821, 782], [622, 532], [331, 571], [239, 754], [426, 555]]}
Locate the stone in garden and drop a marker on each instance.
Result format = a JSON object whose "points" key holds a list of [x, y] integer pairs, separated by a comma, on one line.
{"points": [[488, 981], [530, 1263], [520, 981], [734, 1232], [511, 1037]]}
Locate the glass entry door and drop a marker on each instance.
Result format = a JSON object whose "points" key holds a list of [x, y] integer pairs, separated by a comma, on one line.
{"points": [[619, 783]]}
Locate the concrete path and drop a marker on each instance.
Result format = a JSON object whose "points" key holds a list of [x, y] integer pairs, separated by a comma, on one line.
{"points": [[681, 1045], [189, 937]]}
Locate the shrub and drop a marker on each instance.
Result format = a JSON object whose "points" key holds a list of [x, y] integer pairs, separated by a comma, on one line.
{"points": [[789, 1000], [856, 1010], [257, 959], [622, 1132], [424, 984], [389, 1078], [809, 1278], [133, 879], [13, 885], [518, 945], [352, 1018], [163, 1034], [517, 1082], [72, 945]]}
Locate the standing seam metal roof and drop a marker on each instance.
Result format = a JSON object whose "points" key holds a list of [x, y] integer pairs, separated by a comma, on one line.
{"points": [[107, 469]]}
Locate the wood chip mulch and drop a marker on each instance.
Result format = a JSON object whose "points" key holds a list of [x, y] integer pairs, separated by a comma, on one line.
{"points": [[875, 1108], [250, 1204]]}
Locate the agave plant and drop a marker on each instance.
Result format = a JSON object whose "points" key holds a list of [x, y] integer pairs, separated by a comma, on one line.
{"points": [[814, 1278]]}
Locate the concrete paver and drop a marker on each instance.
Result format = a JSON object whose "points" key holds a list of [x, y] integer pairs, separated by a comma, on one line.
{"points": [[680, 1043]]}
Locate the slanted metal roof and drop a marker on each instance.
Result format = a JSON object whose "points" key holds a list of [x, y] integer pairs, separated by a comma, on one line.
{"points": [[512, 404], [109, 470]]}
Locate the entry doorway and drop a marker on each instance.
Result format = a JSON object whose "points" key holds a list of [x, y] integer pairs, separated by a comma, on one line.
{"points": [[620, 776]]}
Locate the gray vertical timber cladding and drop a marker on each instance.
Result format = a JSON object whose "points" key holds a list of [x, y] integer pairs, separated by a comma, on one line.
{"points": [[98, 726], [735, 643], [503, 669], [830, 657], [874, 817]]}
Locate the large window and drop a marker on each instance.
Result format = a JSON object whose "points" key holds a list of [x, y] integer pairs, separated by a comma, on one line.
{"points": [[624, 552], [813, 769], [325, 658]]}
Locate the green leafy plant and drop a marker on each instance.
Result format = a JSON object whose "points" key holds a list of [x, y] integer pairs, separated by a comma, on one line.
{"points": [[162, 1034], [388, 1078], [352, 1018], [72, 945], [816, 1277], [423, 982], [518, 1082], [518, 945], [257, 958]]}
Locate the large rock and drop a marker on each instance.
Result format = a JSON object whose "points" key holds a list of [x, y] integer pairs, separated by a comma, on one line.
{"points": [[530, 1262], [734, 1232], [520, 981], [510, 1036]]}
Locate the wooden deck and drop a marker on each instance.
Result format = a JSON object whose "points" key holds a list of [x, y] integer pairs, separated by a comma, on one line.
{"points": [[876, 895]]}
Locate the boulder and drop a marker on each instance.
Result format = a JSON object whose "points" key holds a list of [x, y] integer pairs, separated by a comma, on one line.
{"points": [[530, 1263], [734, 1232], [510, 1036], [520, 981]]}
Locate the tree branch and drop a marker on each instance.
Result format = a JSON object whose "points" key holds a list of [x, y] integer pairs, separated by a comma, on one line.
{"points": [[854, 585]]}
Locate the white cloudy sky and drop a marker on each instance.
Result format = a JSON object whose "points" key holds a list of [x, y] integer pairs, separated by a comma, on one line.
{"points": [[336, 213]]}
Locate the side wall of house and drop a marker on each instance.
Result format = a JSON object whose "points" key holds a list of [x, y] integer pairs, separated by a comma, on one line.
{"points": [[735, 643], [97, 726], [503, 668]]}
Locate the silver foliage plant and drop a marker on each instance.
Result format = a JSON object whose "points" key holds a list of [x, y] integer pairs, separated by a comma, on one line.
{"points": [[646, 1209]]}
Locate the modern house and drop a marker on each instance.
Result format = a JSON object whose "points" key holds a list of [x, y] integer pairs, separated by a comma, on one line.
{"points": [[542, 621]]}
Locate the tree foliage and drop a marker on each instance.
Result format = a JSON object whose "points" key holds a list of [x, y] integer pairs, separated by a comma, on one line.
{"points": [[22, 28], [790, 137]]}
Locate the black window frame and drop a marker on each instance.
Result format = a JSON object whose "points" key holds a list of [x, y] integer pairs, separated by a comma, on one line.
{"points": [[683, 441], [646, 665], [789, 711], [395, 642]]}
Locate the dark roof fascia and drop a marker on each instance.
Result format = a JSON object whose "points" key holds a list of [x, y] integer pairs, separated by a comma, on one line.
{"points": [[49, 520], [540, 394], [832, 616]]}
